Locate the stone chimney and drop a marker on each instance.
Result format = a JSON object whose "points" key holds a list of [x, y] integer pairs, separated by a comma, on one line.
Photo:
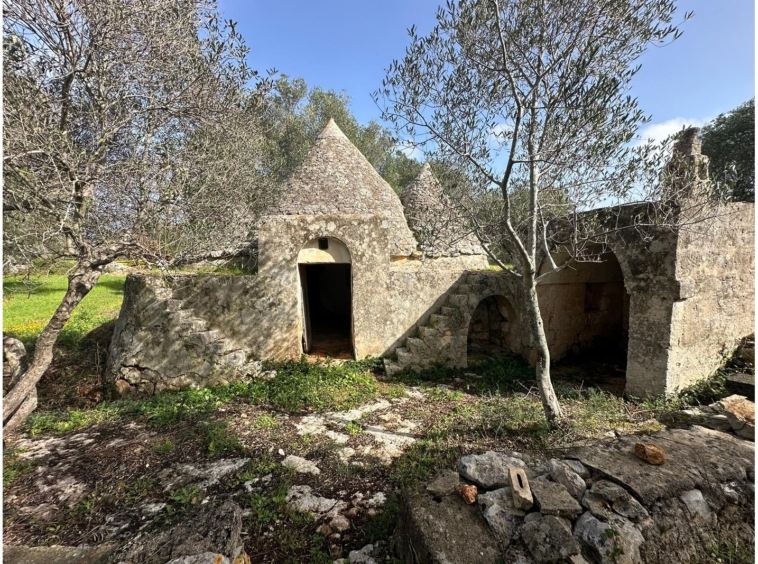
{"points": [[688, 163]]}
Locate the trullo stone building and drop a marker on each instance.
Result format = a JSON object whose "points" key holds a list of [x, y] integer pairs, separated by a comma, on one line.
{"points": [[347, 270]]}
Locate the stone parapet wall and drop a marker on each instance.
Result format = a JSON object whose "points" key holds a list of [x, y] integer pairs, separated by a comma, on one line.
{"points": [[715, 268], [166, 337]]}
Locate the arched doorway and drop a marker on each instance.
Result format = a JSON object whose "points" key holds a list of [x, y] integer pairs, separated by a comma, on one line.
{"points": [[586, 313], [493, 330], [324, 266]]}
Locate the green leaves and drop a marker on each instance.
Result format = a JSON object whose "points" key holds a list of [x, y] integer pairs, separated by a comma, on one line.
{"points": [[729, 141]]}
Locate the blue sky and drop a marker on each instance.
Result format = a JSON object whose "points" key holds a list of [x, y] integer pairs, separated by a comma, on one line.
{"points": [[348, 44]]}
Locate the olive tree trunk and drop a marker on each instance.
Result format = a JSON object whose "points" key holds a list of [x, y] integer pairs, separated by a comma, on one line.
{"points": [[21, 398], [552, 408]]}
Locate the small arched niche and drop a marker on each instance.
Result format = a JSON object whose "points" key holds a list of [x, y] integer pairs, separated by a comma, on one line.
{"points": [[324, 250], [325, 271], [493, 330]]}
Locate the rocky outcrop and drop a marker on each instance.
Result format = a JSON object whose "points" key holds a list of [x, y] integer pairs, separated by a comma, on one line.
{"points": [[630, 511], [212, 528]]}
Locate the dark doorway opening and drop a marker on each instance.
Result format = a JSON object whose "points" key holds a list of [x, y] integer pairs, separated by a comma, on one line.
{"points": [[327, 310], [600, 329]]}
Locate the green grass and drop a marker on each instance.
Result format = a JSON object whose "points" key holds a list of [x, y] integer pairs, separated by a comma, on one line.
{"points": [[495, 376], [298, 387], [301, 386], [28, 304], [13, 467]]}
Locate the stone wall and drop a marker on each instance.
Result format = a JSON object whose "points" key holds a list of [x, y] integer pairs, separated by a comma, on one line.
{"points": [[366, 238], [715, 267], [683, 300], [190, 331]]}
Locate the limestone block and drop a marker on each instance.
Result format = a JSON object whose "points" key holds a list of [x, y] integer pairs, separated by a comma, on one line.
{"points": [[549, 539], [446, 483], [501, 514], [522, 493], [616, 543], [554, 499], [570, 480], [488, 470]]}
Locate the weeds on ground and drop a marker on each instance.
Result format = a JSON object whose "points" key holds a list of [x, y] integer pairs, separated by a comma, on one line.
{"points": [[14, 467], [728, 552], [301, 386], [139, 489], [265, 422], [491, 376], [217, 439], [68, 421], [164, 447], [421, 461], [189, 495]]}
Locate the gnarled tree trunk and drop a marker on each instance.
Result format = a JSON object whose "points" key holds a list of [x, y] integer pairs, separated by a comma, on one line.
{"points": [[21, 398]]}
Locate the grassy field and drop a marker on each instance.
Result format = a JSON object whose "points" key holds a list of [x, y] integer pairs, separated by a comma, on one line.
{"points": [[74, 379], [29, 304]]}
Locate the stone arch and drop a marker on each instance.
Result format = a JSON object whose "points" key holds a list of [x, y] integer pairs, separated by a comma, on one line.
{"points": [[493, 326], [324, 250], [586, 312]]}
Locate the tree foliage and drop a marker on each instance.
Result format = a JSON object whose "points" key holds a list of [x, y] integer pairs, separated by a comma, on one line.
{"points": [[530, 100], [296, 115], [729, 142], [126, 133]]}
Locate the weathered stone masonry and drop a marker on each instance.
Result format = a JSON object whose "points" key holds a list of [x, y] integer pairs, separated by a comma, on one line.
{"points": [[678, 304]]}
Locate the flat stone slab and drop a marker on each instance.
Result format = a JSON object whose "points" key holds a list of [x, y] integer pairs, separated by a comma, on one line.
{"points": [[743, 384], [56, 554], [488, 470], [554, 499], [695, 458], [445, 531]]}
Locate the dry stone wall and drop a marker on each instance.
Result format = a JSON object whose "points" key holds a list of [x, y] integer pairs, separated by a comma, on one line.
{"points": [[682, 299], [164, 338], [715, 266]]}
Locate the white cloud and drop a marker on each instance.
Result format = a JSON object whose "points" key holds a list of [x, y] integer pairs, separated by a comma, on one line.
{"points": [[660, 131]]}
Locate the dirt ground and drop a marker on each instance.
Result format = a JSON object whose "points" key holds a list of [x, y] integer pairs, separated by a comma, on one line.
{"points": [[97, 481]]}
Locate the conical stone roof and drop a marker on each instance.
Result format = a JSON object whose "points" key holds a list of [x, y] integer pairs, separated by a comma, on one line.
{"points": [[438, 227], [335, 178]]}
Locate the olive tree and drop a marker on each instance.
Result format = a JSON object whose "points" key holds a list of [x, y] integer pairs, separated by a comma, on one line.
{"points": [[128, 132], [531, 100]]}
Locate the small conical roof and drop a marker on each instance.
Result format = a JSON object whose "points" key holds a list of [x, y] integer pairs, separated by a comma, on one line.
{"points": [[335, 178], [436, 224]]}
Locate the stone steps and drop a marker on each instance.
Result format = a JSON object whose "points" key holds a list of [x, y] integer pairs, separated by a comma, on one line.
{"points": [[438, 321], [431, 341], [416, 345]]}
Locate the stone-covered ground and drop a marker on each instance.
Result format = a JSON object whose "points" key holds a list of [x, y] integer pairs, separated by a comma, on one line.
{"points": [[316, 455]]}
